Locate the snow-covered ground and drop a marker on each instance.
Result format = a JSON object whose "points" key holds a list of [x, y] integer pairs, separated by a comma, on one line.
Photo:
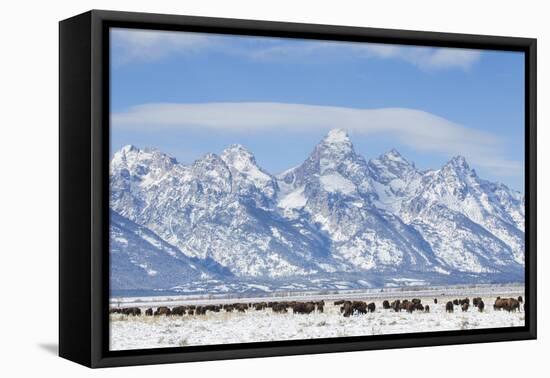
{"points": [[142, 332]]}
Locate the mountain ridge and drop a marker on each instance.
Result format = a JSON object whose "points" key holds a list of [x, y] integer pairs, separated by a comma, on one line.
{"points": [[334, 215]]}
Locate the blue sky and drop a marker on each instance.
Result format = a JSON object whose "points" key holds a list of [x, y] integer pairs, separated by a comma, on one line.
{"points": [[188, 94]]}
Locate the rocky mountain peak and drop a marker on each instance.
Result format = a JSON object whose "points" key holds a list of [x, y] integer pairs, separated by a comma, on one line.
{"points": [[238, 157], [458, 164]]}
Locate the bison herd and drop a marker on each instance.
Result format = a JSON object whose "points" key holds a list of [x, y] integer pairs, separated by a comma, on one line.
{"points": [[508, 304], [347, 308], [412, 305], [278, 307]]}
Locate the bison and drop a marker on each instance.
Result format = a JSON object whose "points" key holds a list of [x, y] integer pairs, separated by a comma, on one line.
{"points": [[179, 310], [321, 306], [339, 302], [359, 307], [480, 305], [260, 306], [346, 309], [520, 299], [427, 308], [508, 304], [303, 308], [396, 305], [134, 311], [455, 302], [149, 312], [435, 300], [386, 305], [465, 300], [162, 310], [241, 307], [279, 307], [449, 307], [371, 307], [465, 307], [476, 301]]}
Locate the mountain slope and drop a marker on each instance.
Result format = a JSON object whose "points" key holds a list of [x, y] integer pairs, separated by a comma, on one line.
{"points": [[140, 259]]}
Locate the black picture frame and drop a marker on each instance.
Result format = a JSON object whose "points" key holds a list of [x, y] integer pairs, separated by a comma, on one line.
{"points": [[84, 187]]}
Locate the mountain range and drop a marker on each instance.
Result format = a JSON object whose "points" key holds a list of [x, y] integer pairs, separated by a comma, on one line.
{"points": [[337, 221]]}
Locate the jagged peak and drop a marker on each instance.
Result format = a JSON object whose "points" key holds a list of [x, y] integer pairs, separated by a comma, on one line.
{"points": [[337, 136], [129, 148], [209, 158], [236, 150], [394, 155], [458, 162], [238, 156]]}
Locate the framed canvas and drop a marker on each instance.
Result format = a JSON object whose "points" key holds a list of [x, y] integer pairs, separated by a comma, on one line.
{"points": [[235, 188]]}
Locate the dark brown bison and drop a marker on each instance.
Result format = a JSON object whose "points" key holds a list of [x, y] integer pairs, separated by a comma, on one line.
{"points": [[359, 307], [508, 304], [339, 302], [134, 311], [178, 310], [162, 310], [260, 306], [435, 300], [465, 307], [279, 307], [480, 305], [115, 311], [371, 307], [416, 301], [213, 308], [346, 309], [410, 307], [303, 308], [149, 312], [404, 304], [520, 299], [427, 308], [241, 307], [465, 300], [228, 308], [449, 307], [191, 312], [386, 305], [475, 301], [455, 302], [396, 305], [320, 306]]}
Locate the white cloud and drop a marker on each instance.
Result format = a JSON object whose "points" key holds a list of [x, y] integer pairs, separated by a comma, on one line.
{"points": [[146, 45], [417, 129], [427, 57]]}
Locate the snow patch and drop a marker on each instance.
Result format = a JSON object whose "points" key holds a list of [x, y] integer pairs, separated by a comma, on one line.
{"points": [[334, 182]]}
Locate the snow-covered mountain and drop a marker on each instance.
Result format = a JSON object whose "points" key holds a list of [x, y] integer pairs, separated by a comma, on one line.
{"points": [[334, 217]]}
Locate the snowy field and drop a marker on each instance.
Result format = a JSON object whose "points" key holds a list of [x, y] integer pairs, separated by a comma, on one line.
{"points": [[140, 332]]}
